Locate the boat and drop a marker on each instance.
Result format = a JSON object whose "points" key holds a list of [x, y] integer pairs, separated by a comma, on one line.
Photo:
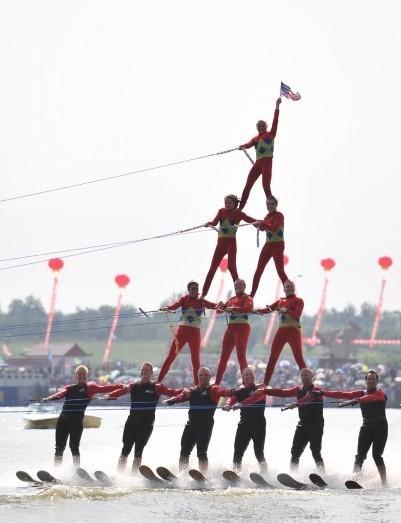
{"points": [[41, 416]]}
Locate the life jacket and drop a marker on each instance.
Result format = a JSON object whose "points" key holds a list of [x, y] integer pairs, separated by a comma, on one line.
{"points": [[76, 400], [311, 412], [191, 317], [144, 400], [250, 413], [373, 411], [202, 406], [264, 147], [227, 229]]}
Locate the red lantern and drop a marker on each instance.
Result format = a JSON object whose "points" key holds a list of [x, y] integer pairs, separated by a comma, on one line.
{"points": [[223, 264], [385, 262], [56, 264], [122, 280], [286, 259], [327, 264]]}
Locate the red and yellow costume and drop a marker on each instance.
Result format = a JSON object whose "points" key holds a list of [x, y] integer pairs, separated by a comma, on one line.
{"points": [[237, 333], [264, 146], [226, 243], [273, 224], [289, 331], [187, 332]]}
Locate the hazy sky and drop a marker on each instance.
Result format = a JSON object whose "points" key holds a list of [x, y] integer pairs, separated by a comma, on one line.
{"points": [[95, 88]]}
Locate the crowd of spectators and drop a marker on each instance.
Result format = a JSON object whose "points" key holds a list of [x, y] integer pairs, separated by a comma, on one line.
{"points": [[347, 377]]}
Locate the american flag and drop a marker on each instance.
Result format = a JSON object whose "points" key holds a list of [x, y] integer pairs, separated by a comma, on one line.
{"points": [[285, 90]]}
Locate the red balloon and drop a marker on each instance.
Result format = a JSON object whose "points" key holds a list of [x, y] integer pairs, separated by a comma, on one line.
{"points": [[223, 264], [327, 264], [286, 259], [385, 262], [56, 264], [122, 280]]}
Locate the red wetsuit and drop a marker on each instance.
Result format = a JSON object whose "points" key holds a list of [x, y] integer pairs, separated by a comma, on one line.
{"points": [[289, 331], [264, 145], [188, 332], [374, 428], [236, 334], [226, 243], [273, 224]]}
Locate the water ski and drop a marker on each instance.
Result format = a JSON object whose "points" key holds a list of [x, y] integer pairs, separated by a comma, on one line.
{"points": [[27, 478], [46, 477], [166, 474], [290, 482], [353, 485], [259, 480], [148, 473], [231, 476], [84, 475], [102, 477], [318, 480], [197, 476]]}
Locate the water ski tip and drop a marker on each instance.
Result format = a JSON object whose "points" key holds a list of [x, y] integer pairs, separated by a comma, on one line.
{"points": [[231, 476], [46, 477], [166, 474], [148, 474], [353, 485], [259, 480], [197, 476], [290, 482], [27, 478], [318, 480]]}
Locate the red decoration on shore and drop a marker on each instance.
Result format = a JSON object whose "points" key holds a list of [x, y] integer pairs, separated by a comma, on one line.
{"points": [[224, 264], [385, 262], [56, 264], [122, 280], [327, 264]]}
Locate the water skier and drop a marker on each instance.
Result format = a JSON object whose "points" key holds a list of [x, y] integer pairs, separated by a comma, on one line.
{"points": [[203, 400], [273, 224], [311, 422], [252, 424], [264, 146], [228, 217], [290, 309], [70, 422], [238, 329], [192, 308], [145, 395], [374, 429]]}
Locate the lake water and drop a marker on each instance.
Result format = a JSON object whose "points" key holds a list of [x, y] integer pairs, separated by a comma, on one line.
{"points": [[132, 500]]}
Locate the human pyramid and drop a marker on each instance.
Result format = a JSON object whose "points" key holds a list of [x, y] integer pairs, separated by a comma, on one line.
{"points": [[204, 396]]}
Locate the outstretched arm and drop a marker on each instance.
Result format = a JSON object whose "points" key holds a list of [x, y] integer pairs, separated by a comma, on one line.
{"points": [[343, 395], [173, 306], [57, 395]]}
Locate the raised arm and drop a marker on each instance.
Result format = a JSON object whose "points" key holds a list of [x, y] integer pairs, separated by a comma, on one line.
{"points": [[273, 129]]}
